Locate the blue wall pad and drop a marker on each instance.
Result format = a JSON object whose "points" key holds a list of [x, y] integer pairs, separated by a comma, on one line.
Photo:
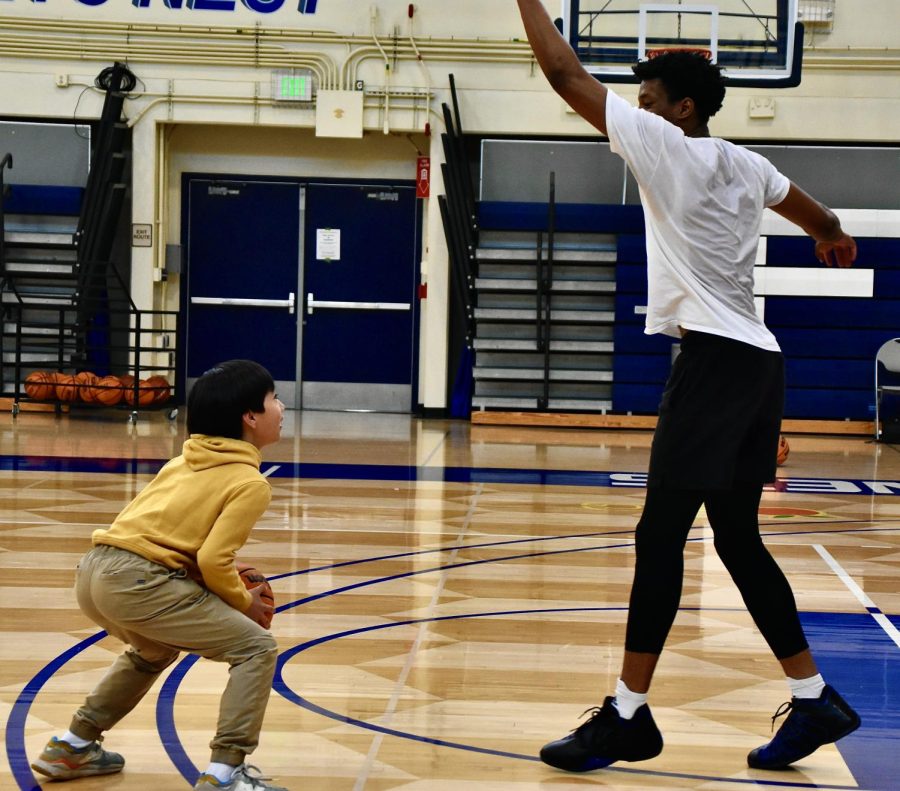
{"points": [[832, 344], [836, 311], [646, 368], [570, 217], [631, 339], [631, 278], [39, 199], [632, 249], [828, 403], [813, 372], [872, 253]]}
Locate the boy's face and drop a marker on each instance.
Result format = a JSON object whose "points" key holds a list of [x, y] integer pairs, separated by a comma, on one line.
{"points": [[265, 427], [652, 97]]}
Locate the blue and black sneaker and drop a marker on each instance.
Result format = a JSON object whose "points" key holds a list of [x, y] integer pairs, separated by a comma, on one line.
{"points": [[605, 738], [811, 723]]}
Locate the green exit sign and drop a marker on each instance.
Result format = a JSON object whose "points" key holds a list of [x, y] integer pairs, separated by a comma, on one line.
{"points": [[292, 85]]}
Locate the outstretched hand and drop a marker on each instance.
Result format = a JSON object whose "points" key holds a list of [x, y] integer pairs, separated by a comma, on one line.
{"points": [[840, 252]]}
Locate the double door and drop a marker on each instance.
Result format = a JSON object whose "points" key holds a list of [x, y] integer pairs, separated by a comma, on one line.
{"points": [[315, 281]]}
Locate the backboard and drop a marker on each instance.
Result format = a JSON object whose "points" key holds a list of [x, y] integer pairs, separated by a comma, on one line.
{"points": [[758, 43]]}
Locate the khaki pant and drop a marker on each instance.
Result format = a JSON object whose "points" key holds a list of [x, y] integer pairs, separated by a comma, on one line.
{"points": [[160, 613]]}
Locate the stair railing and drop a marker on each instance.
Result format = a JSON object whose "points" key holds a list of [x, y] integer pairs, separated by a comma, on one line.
{"points": [[6, 162], [545, 294]]}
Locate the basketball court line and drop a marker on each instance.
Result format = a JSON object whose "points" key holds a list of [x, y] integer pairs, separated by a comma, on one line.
{"points": [[286, 692], [437, 447], [459, 474], [18, 716], [823, 528], [535, 539], [422, 633], [873, 609]]}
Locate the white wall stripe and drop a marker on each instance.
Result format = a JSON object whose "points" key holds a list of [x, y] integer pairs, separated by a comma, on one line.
{"points": [[787, 281], [856, 222], [762, 250], [760, 303], [880, 618]]}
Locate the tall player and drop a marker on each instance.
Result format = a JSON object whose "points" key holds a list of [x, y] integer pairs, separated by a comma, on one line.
{"points": [[720, 415]]}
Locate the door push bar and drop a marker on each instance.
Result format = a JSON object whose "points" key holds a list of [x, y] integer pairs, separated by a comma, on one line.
{"points": [[312, 303], [288, 303]]}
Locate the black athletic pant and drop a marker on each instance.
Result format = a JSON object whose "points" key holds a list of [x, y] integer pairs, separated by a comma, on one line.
{"points": [[660, 539]]}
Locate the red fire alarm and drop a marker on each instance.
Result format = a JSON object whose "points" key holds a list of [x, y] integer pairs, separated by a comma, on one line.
{"points": [[423, 177]]}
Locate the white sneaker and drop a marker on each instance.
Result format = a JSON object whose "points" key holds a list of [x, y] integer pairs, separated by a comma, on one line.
{"points": [[241, 780]]}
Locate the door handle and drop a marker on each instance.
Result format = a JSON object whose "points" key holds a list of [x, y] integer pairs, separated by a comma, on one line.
{"points": [[288, 303], [312, 303]]}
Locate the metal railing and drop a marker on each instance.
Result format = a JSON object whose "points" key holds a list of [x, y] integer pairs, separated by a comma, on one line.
{"points": [[6, 162], [545, 292]]}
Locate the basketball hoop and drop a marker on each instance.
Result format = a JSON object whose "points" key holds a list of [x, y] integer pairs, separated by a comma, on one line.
{"points": [[655, 53]]}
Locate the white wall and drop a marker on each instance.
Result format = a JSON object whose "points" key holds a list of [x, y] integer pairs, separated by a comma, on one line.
{"points": [[204, 100]]}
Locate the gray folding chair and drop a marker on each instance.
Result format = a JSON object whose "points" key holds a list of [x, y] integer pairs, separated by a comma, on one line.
{"points": [[889, 357]]}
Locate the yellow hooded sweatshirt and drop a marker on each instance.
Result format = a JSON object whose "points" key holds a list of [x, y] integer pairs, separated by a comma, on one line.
{"points": [[197, 513]]}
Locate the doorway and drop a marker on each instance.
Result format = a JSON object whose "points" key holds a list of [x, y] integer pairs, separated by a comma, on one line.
{"points": [[317, 281]]}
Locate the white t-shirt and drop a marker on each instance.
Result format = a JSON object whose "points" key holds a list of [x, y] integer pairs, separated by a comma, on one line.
{"points": [[703, 203]]}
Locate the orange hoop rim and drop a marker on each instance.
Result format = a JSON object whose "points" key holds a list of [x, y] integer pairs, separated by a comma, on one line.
{"points": [[655, 53]]}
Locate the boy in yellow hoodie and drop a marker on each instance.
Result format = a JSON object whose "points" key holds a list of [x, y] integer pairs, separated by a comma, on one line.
{"points": [[162, 579]]}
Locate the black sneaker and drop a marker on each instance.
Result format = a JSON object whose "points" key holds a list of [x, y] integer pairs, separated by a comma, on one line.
{"points": [[605, 738], [811, 723]]}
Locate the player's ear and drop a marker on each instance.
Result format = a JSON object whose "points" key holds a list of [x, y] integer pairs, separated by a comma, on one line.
{"points": [[686, 107], [249, 419]]}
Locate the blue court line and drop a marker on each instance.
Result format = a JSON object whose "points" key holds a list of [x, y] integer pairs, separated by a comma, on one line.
{"points": [[279, 685], [473, 475], [15, 725], [538, 539], [856, 656], [165, 719], [165, 704]]}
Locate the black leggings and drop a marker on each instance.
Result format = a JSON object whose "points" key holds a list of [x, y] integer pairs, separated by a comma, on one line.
{"points": [[659, 568]]}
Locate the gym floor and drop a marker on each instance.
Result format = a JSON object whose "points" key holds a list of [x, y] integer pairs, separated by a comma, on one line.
{"points": [[450, 598]]}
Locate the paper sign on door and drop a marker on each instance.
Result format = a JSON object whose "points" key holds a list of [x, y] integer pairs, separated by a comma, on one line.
{"points": [[328, 244]]}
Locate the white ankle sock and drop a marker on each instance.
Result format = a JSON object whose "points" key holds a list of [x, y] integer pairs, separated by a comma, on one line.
{"points": [[76, 741], [222, 772], [626, 701], [811, 687]]}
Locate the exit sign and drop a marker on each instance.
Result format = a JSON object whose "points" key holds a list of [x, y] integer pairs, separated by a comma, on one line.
{"points": [[292, 85]]}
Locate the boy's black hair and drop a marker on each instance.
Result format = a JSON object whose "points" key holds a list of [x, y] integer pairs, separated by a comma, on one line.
{"points": [[686, 74], [223, 394]]}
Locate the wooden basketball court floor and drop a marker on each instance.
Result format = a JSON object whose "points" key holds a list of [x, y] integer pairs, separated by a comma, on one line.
{"points": [[451, 597]]}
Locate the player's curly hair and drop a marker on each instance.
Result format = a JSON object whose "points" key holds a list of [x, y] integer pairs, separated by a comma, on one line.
{"points": [[686, 74]]}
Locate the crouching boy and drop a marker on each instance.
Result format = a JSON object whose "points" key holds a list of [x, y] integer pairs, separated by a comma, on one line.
{"points": [[162, 579]]}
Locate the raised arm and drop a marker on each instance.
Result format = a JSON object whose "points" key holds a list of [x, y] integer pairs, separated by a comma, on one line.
{"points": [[584, 94], [833, 246]]}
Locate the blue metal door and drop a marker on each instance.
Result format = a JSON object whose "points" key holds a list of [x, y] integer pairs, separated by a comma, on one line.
{"points": [[361, 253], [242, 250]]}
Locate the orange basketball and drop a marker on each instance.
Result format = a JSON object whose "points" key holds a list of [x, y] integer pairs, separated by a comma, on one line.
{"points": [[107, 390], [127, 381], [66, 387], [783, 450], [160, 386], [39, 385], [146, 393], [84, 380], [252, 577]]}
